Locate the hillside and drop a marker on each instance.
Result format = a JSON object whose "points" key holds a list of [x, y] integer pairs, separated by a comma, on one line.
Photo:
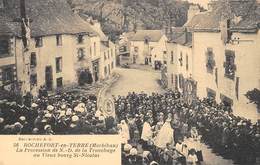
{"points": [[117, 16]]}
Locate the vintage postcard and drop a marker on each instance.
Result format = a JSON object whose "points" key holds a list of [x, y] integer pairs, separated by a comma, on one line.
{"points": [[130, 82]]}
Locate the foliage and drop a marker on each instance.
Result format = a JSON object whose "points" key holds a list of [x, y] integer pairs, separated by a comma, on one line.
{"points": [[254, 96], [118, 16]]}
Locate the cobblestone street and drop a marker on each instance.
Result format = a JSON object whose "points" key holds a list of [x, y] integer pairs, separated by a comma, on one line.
{"points": [[136, 80]]}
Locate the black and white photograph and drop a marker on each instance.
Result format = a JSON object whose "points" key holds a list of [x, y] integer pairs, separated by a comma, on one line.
{"points": [[176, 81]]}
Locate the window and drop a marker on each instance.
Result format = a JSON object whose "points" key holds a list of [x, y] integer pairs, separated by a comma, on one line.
{"points": [[58, 64], [181, 59], [146, 41], [105, 57], [123, 49], [187, 62], [181, 81], [108, 55], [172, 78], [176, 81], [112, 65], [95, 51], [38, 42], [33, 80], [59, 82], [80, 38], [4, 47], [227, 102], [109, 69], [111, 53], [33, 60], [59, 40], [105, 70], [164, 52], [172, 58], [81, 53], [8, 75], [211, 93], [210, 62], [229, 64], [136, 49]]}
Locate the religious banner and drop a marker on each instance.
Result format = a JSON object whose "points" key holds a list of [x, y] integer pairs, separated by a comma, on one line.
{"points": [[109, 108]]}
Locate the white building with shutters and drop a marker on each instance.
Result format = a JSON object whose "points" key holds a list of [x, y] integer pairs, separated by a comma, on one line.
{"points": [[59, 50], [223, 59]]}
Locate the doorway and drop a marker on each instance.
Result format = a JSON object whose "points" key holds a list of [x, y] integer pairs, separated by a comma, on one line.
{"points": [[96, 70]]}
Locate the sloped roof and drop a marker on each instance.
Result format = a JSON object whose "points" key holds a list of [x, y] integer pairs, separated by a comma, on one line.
{"points": [[185, 39], [151, 35], [176, 33], [99, 31], [48, 17], [205, 21], [181, 36], [210, 20]]}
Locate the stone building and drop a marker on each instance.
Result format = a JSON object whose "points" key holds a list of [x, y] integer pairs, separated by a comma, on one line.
{"points": [[61, 46], [147, 47], [223, 59]]}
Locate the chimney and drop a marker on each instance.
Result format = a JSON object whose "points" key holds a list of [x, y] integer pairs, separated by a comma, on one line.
{"points": [[193, 10]]}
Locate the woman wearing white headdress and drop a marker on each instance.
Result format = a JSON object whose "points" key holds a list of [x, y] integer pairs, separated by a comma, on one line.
{"points": [[165, 134], [124, 132]]}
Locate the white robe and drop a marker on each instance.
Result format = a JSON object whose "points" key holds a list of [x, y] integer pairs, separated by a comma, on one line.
{"points": [[124, 133], [147, 132], [164, 136]]}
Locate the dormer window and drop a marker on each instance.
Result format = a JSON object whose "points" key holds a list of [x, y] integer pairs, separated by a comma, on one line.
{"points": [[59, 40], [80, 38], [38, 42], [146, 41]]}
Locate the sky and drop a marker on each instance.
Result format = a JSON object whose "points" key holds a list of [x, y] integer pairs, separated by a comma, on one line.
{"points": [[201, 2]]}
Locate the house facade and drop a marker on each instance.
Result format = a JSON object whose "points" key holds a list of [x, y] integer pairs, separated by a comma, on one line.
{"points": [[145, 47], [223, 61], [58, 52]]}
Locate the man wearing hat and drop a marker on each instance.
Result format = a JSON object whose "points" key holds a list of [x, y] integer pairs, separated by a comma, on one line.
{"points": [[2, 124], [48, 130]]}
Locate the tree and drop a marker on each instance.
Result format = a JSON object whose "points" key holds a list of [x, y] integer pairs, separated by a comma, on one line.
{"points": [[254, 97]]}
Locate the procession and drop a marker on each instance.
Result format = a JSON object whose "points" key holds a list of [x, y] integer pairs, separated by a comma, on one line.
{"points": [[157, 128], [173, 82]]}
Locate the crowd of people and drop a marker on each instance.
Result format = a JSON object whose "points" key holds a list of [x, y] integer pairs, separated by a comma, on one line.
{"points": [[164, 123], [154, 129], [64, 113]]}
